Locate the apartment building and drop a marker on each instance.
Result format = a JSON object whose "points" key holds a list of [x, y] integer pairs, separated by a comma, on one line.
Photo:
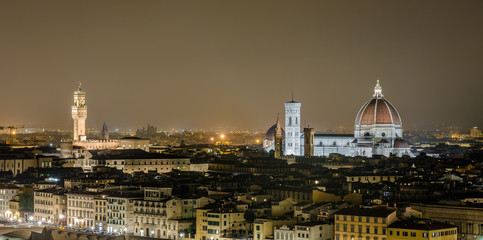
{"points": [[421, 229], [100, 214], [50, 206], [468, 219], [303, 231], [363, 223], [81, 209], [120, 208], [220, 223], [151, 217], [7, 193]]}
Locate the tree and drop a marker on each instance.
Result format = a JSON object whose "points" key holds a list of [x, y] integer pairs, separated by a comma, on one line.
{"points": [[249, 218]]}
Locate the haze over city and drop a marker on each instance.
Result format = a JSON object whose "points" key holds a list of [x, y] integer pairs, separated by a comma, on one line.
{"points": [[194, 64], [241, 120]]}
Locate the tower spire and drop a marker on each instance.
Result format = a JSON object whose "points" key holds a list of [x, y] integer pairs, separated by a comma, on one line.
{"points": [[278, 126], [278, 139], [378, 90], [292, 95]]}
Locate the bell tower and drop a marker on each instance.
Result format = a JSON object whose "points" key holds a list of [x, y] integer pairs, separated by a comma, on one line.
{"points": [[79, 114], [292, 128], [278, 140]]}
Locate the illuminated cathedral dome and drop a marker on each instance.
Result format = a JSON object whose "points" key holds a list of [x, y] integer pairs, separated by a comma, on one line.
{"points": [[378, 110], [378, 118]]}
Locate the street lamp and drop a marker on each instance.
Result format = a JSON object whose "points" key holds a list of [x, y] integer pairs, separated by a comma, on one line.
{"points": [[61, 216]]}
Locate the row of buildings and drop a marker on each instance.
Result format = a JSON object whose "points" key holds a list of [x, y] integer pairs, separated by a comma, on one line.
{"points": [[295, 201], [145, 211], [154, 212]]}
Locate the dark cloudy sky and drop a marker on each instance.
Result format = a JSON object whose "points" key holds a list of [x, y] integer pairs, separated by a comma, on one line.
{"points": [[210, 64]]}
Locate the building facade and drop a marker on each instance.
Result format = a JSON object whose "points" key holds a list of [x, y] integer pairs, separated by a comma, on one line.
{"points": [[100, 214], [80, 209], [309, 230], [421, 229], [50, 206], [7, 193], [222, 223], [119, 212], [467, 219], [367, 224], [151, 214]]}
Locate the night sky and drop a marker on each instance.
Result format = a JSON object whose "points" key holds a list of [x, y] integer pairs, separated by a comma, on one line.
{"points": [[232, 64]]}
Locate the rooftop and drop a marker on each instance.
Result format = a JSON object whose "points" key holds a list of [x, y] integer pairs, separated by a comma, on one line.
{"points": [[311, 224], [421, 224], [366, 212], [127, 154]]}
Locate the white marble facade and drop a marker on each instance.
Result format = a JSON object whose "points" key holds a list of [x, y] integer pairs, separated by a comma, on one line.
{"points": [[377, 131]]}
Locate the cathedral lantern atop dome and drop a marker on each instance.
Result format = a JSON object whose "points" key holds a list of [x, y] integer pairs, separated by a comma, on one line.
{"points": [[378, 90]]}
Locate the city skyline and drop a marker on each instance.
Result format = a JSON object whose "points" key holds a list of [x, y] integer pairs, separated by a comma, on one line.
{"points": [[193, 66]]}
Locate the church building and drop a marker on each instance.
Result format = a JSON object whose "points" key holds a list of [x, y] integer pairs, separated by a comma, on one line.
{"points": [[377, 131]]}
